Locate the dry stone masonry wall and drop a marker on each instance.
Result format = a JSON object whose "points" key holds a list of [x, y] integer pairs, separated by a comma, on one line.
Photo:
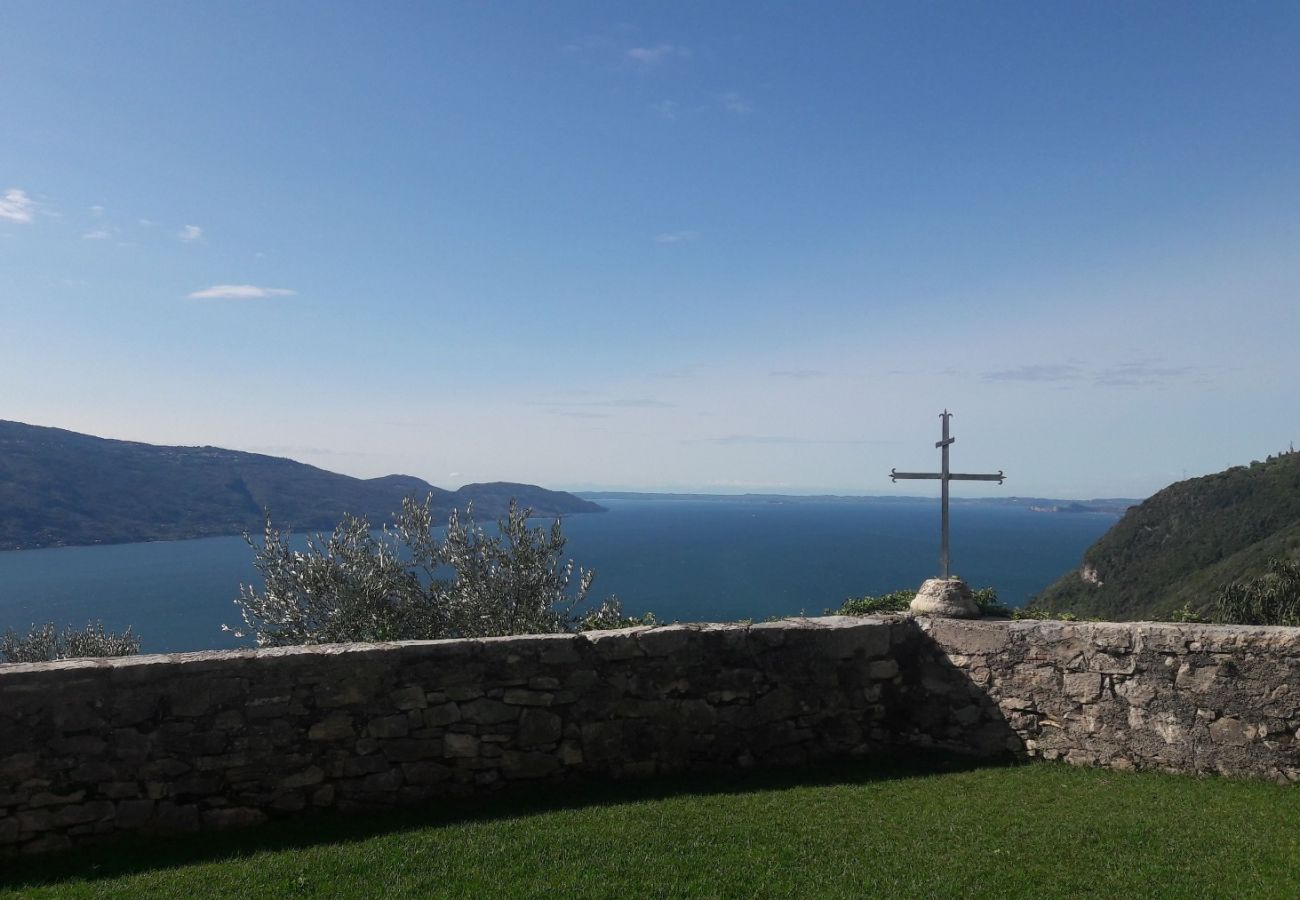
{"points": [[209, 740], [1183, 698], [192, 741]]}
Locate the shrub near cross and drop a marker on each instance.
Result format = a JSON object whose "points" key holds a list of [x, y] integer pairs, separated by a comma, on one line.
{"points": [[898, 601]]}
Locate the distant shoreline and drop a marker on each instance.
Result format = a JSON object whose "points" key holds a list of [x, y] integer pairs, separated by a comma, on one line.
{"points": [[1107, 505]]}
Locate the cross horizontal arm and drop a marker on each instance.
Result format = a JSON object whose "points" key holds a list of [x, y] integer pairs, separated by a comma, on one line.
{"points": [[952, 476]]}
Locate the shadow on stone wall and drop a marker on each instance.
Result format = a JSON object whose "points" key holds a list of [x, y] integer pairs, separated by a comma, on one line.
{"points": [[944, 703], [133, 854]]}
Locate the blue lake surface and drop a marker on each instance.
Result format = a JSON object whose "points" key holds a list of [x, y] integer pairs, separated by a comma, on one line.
{"points": [[686, 560]]}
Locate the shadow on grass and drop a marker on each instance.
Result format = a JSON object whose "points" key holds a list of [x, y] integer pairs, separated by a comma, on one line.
{"points": [[131, 854]]}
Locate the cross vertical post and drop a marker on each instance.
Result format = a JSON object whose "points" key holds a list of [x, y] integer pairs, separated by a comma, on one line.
{"points": [[944, 476]]}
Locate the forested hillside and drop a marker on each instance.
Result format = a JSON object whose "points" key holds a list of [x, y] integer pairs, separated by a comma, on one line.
{"points": [[60, 488], [1184, 544]]}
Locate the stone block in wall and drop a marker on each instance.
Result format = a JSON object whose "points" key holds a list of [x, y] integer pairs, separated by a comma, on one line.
{"points": [[19, 765], [335, 727], [526, 697], [1231, 731], [442, 714], [537, 726], [1118, 663], [611, 646], [460, 746], [528, 764], [1082, 686], [968, 637], [485, 711], [304, 778], [672, 640], [413, 749], [388, 727], [841, 637], [1196, 679], [602, 741], [425, 772], [409, 698]]}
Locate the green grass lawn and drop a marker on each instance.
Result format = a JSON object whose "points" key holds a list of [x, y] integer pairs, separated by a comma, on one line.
{"points": [[931, 828]]}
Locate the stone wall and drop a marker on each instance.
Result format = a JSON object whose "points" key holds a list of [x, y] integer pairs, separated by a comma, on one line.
{"points": [[209, 740], [1183, 698]]}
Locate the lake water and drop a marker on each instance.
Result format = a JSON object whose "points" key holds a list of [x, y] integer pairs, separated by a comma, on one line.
{"points": [[687, 560]]}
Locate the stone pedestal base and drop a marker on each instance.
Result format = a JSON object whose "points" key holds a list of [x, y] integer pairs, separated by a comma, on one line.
{"points": [[947, 597]]}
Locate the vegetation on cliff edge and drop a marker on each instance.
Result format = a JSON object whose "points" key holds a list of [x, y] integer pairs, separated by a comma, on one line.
{"points": [[1175, 553]]}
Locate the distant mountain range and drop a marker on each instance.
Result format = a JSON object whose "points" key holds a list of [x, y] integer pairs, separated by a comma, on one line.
{"points": [[1110, 506], [61, 488], [1184, 544]]}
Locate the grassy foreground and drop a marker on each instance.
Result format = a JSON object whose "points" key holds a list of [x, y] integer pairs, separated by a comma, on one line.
{"points": [[934, 828]]}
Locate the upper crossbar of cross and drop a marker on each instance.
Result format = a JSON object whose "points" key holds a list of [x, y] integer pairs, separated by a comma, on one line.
{"points": [[944, 477]]}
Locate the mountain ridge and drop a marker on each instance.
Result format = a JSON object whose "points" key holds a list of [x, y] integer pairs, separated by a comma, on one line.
{"points": [[1186, 543], [65, 488]]}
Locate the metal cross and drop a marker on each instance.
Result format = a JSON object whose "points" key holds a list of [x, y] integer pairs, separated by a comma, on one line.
{"points": [[945, 476]]}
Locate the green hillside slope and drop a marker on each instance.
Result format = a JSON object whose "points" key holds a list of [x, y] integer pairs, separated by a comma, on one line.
{"points": [[62, 488], [1186, 543]]}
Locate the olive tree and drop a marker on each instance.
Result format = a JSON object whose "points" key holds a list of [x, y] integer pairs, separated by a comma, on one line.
{"points": [[408, 583], [45, 643]]}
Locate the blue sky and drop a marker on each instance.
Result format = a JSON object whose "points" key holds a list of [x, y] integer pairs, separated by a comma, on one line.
{"points": [[716, 247]]}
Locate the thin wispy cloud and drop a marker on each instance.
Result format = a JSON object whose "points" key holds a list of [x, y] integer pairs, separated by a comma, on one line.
{"points": [[676, 237], [681, 372], [666, 109], [589, 42], [97, 210], [659, 53], [99, 234], [1140, 373], [16, 206], [798, 374], [600, 409], [641, 403], [239, 292], [633, 403], [1048, 372], [734, 103], [736, 440], [190, 233]]}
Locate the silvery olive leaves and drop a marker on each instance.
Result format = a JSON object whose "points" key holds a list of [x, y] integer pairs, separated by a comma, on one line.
{"points": [[405, 582]]}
